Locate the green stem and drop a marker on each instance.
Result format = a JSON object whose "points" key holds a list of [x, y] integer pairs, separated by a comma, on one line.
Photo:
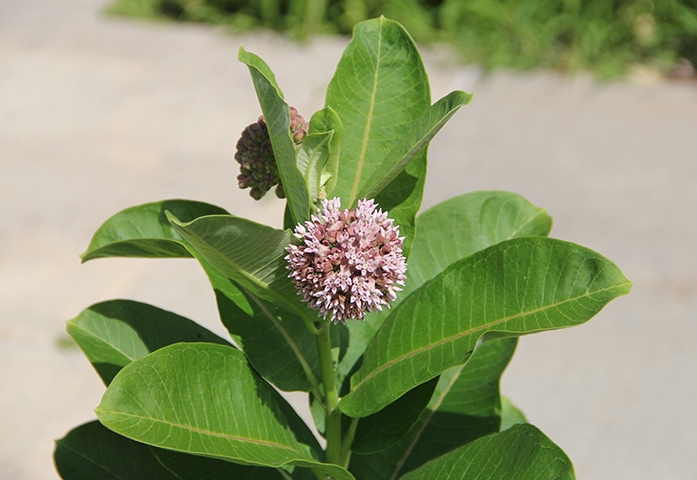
{"points": [[332, 423], [310, 319]]}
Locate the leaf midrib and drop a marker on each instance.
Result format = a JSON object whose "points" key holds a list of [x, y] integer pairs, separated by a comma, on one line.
{"points": [[418, 146], [104, 341], [221, 248], [530, 219], [260, 282], [482, 327], [255, 441], [364, 147], [92, 251]]}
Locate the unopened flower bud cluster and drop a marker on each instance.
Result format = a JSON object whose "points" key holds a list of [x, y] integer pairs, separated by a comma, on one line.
{"points": [[258, 169]]}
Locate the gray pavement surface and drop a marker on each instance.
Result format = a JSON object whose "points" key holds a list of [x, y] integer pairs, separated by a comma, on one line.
{"points": [[98, 114]]}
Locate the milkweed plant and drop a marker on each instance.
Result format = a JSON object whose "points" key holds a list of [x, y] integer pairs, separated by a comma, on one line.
{"points": [[397, 325]]}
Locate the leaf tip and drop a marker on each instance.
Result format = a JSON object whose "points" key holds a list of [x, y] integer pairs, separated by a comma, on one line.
{"points": [[172, 218], [544, 213], [241, 53], [97, 410], [70, 325], [467, 97]]}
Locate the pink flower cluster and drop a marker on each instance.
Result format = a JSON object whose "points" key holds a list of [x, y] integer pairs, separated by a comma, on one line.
{"points": [[350, 262]]}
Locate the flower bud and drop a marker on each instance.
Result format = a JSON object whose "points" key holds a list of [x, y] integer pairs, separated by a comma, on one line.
{"points": [[258, 168]]}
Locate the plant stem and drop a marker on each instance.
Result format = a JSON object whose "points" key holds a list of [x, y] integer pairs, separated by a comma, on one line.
{"points": [[332, 423], [309, 320]]}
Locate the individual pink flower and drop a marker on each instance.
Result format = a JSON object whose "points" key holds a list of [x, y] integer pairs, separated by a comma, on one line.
{"points": [[350, 262]]}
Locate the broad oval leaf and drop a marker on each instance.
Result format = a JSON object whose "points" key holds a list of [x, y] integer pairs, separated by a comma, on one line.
{"points": [[516, 287], [144, 231], [521, 453], [259, 327], [446, 233], [465, 406], [277, 117], [204, 399], [413, 141], [92, 451], [380, 87], [249, 253], [462, 225], [112, 334]]}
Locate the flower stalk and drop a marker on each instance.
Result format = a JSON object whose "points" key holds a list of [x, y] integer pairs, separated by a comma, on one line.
{"points": [[332, 424]]}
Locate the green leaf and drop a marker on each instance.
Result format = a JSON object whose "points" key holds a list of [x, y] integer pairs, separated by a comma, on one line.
{"points": [[327, 120], [193, 467], [144, 231], [380, 87], [249, 253], [114, 333], [402, 198], [447, 232], [204, 399], [521, 453], [510, 414], [91, 451], [458, 227], [465, 406], [381, 430], [413, 141], [516, 287], [312, 159], [277, 117], [259, 328]]}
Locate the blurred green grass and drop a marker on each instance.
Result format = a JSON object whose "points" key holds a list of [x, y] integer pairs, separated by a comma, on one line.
{"points": [[603, 36]]}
